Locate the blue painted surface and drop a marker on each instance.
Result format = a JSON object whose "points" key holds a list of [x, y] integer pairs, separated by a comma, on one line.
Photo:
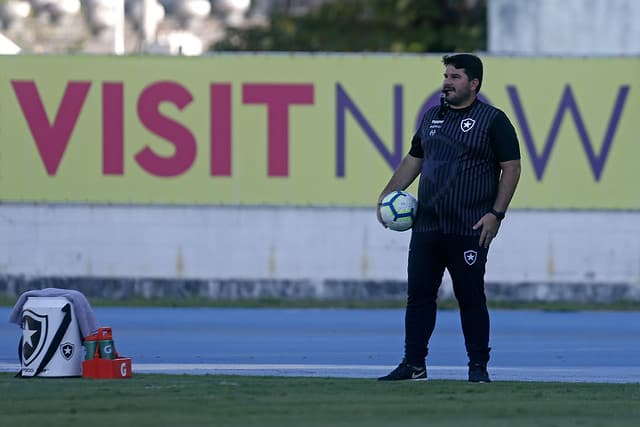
{"points": [[527, 345]]}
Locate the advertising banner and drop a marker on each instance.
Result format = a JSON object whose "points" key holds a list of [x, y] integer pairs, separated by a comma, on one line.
{"points": [[298, 130]]}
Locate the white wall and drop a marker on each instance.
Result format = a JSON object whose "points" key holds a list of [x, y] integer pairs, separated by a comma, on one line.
{"points": [[567, 27], [301, 243]]}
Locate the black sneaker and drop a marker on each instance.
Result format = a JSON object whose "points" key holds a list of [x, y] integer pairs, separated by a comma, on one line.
{"points": [[404, 371], [478, 373]]}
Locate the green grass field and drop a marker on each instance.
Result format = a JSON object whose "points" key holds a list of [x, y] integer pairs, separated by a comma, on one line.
{"points": [[212, 400]]}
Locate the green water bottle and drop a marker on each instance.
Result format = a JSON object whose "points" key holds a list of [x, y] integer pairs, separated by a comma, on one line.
{"points": [[90, 343], [106, 348]]}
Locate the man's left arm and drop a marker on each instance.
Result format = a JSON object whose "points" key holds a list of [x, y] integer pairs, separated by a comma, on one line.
{"points": [[504, 143], [507, 186], [490, 222]]}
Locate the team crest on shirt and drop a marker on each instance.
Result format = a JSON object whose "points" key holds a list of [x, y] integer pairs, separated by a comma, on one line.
{"points": [[470, 257], [467, 124]]}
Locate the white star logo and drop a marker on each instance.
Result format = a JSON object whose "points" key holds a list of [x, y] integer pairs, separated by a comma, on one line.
{"points": [[467, 124], [27, 333], [67, 350], [470, 257]]}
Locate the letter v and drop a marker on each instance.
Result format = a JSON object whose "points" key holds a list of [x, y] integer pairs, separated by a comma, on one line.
{"points": [[568, 103], [51, 140]]}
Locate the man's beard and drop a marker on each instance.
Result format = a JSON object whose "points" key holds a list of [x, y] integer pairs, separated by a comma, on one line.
{"points": [[456, 98]]}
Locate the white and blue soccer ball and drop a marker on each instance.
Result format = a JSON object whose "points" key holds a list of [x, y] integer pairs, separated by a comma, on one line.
{"points": [[398, 210]]}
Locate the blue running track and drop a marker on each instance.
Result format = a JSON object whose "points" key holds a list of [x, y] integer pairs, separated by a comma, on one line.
{"points": [[527, 345]]}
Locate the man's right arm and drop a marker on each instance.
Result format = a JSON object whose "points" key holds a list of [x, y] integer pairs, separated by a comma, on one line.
{"points": [[408, 169], [406, 172]]}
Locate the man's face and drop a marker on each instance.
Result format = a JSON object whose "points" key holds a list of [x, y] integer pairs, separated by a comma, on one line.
{"points": [[458, 90]]}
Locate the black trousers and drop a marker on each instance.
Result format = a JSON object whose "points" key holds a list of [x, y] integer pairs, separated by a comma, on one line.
{"points": [[429, 254]]}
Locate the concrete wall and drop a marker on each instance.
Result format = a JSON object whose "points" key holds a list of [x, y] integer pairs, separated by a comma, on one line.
{"points": [[301, 252], [567, 28], [336, 252]]}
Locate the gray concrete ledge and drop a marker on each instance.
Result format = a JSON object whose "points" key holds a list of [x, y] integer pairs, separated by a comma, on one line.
{"points": [[332, 289]]}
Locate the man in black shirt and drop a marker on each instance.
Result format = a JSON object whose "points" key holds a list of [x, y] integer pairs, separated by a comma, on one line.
{"points": [[466, 153]]}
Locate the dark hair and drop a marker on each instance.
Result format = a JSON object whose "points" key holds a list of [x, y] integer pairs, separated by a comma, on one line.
{"points": [[471, 64]]}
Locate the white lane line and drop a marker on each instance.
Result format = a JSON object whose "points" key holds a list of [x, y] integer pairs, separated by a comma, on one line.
{"points": [[159, 367], [600, 374], [9, 367], [256, 367], [247, 367]]}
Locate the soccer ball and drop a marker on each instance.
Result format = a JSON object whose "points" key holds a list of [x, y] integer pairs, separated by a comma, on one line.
{"points": [[398, 210]]}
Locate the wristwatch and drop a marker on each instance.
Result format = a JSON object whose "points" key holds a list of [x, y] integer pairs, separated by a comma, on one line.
{"points": [[499, 215]]}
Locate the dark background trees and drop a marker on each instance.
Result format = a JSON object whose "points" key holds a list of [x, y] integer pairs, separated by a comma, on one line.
{"points": [[368, 25]]}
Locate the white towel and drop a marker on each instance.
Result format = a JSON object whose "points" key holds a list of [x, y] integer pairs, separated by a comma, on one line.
{"points": [[84, 313]]}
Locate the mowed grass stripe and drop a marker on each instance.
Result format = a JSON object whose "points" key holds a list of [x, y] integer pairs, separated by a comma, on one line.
{"points": [[218, 400]]}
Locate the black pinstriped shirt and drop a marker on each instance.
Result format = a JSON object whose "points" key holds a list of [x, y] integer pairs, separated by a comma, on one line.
{"points": [[461, 151]]}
